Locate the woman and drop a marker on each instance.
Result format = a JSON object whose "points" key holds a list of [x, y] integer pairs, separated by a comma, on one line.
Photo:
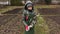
{"points": [[29, 18]]}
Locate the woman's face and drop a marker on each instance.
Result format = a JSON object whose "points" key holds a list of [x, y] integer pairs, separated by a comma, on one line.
{"points": [[30, 8]]}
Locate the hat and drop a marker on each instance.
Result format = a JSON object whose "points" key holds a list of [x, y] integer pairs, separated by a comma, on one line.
{"points": [[28, 3]]}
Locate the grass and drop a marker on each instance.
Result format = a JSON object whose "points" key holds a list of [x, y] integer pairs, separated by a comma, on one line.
{"points": [[47, 6], [9, 8]]}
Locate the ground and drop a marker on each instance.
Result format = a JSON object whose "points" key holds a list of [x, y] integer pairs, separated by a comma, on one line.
{"points": [[47, 21], [53, 21]]}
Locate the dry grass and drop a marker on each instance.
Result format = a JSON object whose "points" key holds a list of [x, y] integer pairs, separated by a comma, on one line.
{"points": [[9, 8], [47, 6]]}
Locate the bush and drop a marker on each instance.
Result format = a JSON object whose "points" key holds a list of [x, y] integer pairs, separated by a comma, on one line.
{"points": [[16, 3], [48, 1], [41, 27]]}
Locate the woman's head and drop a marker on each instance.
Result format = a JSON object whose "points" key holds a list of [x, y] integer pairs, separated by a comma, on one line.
{"points": [[29, 5], [30, 8]]}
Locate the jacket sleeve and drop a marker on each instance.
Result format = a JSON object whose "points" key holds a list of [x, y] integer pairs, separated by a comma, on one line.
{"points": [[34, 20], [23, 15]]}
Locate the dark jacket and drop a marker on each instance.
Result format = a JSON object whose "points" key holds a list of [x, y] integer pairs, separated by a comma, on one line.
{"points": [[31, 17], [30, 13]]}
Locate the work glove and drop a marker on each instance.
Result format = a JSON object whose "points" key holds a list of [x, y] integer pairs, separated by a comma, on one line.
{"points": [[31, 26], [27, 28]]}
